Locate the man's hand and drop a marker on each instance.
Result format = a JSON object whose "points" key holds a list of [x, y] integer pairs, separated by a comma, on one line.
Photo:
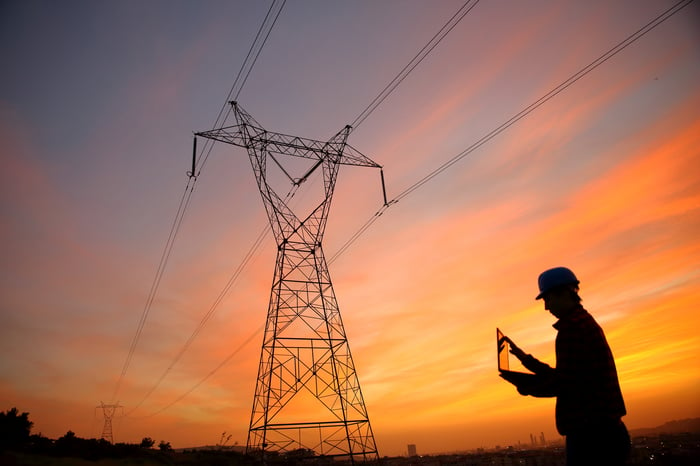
{"points": [[514, 350], [522, 389]]}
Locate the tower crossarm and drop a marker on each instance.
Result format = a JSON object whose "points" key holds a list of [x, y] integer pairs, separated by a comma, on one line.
{"points": [[252, 137]]}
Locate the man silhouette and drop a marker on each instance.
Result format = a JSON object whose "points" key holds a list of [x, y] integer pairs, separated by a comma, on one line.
{"points": [[589, 404]]}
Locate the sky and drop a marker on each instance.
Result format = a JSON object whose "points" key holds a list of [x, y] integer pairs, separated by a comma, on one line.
{"points": [[98, 105]]}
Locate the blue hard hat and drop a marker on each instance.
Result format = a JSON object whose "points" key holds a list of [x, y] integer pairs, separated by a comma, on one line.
{"points": [[553, 278]]}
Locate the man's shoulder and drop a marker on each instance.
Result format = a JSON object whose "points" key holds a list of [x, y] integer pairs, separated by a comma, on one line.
{"points": [[579, 319]]}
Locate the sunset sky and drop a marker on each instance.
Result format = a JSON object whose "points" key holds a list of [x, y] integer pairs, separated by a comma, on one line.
{"points": [[98, 104]]}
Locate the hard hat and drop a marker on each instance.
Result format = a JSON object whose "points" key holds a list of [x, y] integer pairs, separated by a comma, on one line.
{"points": [[553, 278]]}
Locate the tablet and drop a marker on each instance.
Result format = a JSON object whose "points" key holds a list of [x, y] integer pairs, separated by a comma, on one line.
{"points": [[522, 380], [503, 353], [503, 350]]}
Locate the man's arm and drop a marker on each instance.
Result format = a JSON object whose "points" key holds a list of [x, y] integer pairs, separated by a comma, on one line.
{"points": [[528, 360], [543, 383]]}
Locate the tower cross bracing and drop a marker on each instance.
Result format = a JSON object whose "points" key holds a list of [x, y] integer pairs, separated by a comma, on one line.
{"points": [[307, 395], [108, 411]]}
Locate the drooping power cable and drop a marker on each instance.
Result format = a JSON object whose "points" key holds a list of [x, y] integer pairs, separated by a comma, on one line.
{"points": [[189, 189], [265, 29], [415, 61], [517, 117]]}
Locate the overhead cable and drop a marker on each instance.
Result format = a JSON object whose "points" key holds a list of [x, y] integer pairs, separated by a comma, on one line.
{"points": [[211, 373], [415, 61], [256, 47], [237, 87], [517, 117], [206, 317], [165, 255], [212, 309]]}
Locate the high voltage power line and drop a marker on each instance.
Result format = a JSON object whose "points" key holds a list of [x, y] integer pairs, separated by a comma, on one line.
{"points": [[443, 167], [175, 227], [515, 118], [434, 41], [265, 29], [255, 49], [210, 313], [204, 319], [415, 61], [211, 373]]}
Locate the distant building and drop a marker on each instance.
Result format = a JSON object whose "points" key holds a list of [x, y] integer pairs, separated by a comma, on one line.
{"points": [[412, 449]]}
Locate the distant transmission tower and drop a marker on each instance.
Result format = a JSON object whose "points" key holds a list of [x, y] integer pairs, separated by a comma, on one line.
{"points": [[307, 394], [108, 412]]}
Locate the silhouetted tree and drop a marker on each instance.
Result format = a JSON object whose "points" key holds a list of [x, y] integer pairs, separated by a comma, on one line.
{"points": [[164, 446], [147, 442], [14, 429], [68, 445], [40, 444]]}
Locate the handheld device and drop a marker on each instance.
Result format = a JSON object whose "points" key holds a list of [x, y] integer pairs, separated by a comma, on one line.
{"points": [[503, 354]]}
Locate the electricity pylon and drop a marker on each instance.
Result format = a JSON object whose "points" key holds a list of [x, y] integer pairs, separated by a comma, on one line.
{"points": [[307, 394], [108, 412]]}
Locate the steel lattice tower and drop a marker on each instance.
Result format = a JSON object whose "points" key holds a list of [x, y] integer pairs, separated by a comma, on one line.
{"points": [[108, 411], [307, 394]]}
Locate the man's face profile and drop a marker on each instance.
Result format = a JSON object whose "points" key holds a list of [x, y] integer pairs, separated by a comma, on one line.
{"points": [[557, 301]]}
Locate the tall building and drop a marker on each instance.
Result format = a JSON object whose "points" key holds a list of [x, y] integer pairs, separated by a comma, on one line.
{"points": [[412, 449]]}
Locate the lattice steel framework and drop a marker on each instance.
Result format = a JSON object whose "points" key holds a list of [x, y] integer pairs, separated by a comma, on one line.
{"points": [[108, 411], [307, 394]]}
